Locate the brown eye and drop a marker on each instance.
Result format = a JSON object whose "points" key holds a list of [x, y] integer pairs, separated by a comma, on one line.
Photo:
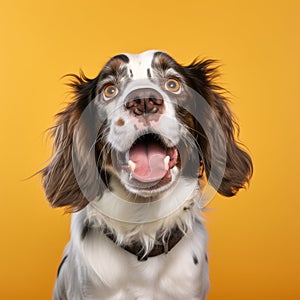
{"points": [[173, 85], [110, 91]]}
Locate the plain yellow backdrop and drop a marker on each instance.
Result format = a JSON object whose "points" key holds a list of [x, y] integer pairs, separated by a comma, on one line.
{"points": [[254, 244]]}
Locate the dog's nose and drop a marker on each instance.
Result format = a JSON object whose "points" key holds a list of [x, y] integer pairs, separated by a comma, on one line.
{"points": [[144, 101]]}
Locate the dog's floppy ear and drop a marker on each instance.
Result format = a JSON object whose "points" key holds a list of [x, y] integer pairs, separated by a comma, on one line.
{"points": [[59, 178], [237, 166]]}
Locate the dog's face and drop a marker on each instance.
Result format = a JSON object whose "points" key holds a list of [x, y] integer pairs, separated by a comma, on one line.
{"points": [[141, 95], [152, 130]]}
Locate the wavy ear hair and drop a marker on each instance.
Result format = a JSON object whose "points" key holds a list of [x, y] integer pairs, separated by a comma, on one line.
{"points": [[237, 164], [59, 179]]}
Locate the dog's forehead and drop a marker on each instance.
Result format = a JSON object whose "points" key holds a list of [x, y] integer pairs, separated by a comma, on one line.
{"points": [[140, 64]]}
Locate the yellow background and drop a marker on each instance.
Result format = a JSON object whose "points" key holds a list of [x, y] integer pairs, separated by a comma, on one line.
{"points": [[254, 245]]}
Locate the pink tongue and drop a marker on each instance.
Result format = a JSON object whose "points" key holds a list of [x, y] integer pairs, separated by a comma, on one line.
{"points": [[149, 160]]}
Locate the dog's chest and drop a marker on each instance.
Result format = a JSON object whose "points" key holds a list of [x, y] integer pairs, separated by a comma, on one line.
{"points": [[117, 274]]}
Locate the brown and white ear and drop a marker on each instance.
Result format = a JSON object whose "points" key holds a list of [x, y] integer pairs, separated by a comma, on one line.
{"points": [[238, 166], [63, 177], [233, 167]]}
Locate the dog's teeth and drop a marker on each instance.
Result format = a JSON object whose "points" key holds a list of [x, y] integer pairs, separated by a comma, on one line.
{"points": [[166, 162], [131, 165]]}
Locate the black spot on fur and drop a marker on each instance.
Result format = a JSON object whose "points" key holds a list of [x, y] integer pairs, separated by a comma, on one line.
{"points": [[195, 259], [206, 259], [149, 73], [61, 264], [131, 74], [87, 228]]}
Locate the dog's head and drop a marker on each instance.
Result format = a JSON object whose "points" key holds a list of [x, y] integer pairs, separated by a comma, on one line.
{"points": [[145, 120]]}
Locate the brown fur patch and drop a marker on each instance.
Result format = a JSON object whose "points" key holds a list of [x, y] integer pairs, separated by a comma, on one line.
{"points": [[120, 122]]}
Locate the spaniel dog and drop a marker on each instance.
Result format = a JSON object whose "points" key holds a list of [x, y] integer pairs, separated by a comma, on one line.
{"points": [[137, 153]]}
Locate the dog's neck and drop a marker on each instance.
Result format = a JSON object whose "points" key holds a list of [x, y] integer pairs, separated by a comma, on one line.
{"points": [[118, 204], [132, 218]]}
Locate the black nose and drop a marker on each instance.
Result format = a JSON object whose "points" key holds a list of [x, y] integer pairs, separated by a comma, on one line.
{"points": [[144, 101]]}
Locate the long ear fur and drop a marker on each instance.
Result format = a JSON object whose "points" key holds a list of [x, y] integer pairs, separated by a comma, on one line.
{"points": [[59, 179], [238, 166]]}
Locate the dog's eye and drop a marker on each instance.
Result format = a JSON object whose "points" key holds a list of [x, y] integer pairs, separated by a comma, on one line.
{"points": [[110, 91], [173, 85]]}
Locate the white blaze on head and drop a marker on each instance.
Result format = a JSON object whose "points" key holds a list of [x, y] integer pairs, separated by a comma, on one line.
{"points": [[140, 63]]}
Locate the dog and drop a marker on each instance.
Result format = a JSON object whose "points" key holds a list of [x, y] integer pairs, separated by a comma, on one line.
{"points": [[135, 153]]}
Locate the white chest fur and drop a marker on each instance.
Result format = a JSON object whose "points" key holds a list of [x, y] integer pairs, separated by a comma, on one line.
{"points": [[111, 273]]}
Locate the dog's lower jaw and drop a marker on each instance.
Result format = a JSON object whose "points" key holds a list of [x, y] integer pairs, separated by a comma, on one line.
{"points": [[154, 189]]}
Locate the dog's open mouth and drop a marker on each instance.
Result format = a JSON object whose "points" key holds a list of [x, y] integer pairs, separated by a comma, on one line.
{"points": [[150, 160]]}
